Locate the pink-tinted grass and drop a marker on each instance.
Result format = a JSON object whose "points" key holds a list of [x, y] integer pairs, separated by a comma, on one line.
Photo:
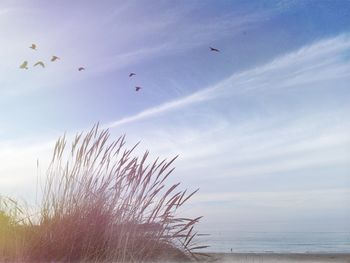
{"points": [[101, 202]]}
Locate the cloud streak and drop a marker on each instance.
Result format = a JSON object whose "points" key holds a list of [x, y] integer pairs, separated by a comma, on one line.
{"points": [[321, 61]]}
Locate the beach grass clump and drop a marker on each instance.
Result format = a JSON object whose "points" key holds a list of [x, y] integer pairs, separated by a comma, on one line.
{"points": [[102, 202]]}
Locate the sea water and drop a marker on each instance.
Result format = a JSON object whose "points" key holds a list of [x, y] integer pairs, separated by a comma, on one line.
{"points": [[276, 242]]}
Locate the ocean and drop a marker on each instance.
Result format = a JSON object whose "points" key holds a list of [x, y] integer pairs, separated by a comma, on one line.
{"points": [[276, 242]]}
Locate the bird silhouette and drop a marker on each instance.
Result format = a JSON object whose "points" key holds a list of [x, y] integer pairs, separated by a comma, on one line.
{"points": [[39, 63], [132, 74], [137, 88], [33, 46], [24, 65], [214, 49], [54, 58], [81, 68]]}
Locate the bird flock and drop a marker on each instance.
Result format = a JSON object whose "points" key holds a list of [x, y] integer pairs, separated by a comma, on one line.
{"points": [[24, 65], [138, 88]]}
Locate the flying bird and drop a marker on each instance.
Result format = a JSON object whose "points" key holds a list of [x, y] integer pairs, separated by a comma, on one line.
{"points": [[54, 58], [33, 46], [132, 74], [137, 88], [24, 65], [39, 63], [81, 69], [214, 49]]}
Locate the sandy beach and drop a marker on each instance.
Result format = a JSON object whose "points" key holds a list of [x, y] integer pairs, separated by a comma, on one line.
{"points": [[277, 257]]}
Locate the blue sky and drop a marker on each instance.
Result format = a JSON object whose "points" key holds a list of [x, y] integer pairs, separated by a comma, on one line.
{"points": [[261, 127]]}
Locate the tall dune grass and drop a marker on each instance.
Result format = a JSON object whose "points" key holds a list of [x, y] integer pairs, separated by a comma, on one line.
{"points": [[101, 202]]}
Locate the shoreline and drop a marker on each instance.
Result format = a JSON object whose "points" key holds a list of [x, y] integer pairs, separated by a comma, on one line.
{"points": [[279, 257]]}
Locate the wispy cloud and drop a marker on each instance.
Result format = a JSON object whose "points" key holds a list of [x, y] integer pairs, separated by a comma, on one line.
{"points": [[186, 34], [159, 109], [321, 61]]}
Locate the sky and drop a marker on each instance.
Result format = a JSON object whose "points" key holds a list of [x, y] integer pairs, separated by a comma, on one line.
{"points": [[262, 127]]}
